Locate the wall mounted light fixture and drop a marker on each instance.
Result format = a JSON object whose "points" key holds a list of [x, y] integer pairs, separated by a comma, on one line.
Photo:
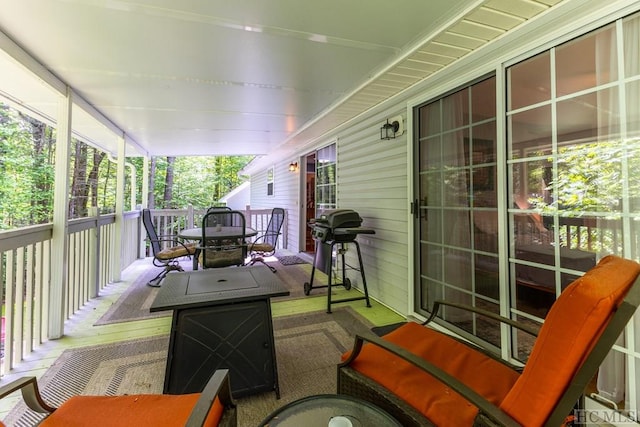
{"points": [[394, 127], [293, 166]]}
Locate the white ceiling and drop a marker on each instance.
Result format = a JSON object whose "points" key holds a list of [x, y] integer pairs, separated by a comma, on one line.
{"points": [[212, 77]]}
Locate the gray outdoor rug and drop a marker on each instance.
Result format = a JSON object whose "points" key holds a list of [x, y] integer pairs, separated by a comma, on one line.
{"points": [[290, 260], [308, 347], [127, 367], [134, 303]]}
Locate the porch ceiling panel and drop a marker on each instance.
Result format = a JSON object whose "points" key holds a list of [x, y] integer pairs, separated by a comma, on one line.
{"points": [[238, 77]]}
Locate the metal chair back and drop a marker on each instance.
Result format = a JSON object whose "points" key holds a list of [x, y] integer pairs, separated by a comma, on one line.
{"points": [[223, 251]]}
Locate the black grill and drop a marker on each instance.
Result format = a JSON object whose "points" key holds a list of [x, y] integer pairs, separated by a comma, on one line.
{"points": [[336, 228], [339, 225]]}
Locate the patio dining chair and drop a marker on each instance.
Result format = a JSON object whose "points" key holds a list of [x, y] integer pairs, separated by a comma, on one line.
{"points": [[265, 244], [223, 252], [222, 210], [214, 406], [167, 256], [424, 377]]}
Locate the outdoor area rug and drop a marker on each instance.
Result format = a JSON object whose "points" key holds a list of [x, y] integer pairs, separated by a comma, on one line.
{"points": [[290, 260], [134, 303], [308, 348], [127, 367]]}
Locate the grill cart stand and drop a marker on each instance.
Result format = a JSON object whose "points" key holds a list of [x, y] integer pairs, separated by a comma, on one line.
{"points": [[335, 229]]}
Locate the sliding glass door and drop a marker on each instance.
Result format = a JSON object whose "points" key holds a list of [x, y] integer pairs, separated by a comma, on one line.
{"points": [[569, 191], [456, 209]]}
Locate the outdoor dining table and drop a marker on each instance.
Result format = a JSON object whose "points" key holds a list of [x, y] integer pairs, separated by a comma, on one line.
{"points": [[214, 233]]}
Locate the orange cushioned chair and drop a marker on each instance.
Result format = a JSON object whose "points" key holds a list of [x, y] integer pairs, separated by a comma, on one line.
{"points": [[213, 407], [424, 377]]}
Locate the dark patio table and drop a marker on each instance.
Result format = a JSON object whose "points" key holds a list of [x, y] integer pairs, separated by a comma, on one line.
{"points": [[329, 410]]}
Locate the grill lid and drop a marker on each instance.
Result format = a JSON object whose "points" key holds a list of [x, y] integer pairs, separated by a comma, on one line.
{"points": [[339, 218]]}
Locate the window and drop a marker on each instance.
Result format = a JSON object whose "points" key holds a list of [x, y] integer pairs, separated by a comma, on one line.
{"points": [[270, 180], [325, 179]]}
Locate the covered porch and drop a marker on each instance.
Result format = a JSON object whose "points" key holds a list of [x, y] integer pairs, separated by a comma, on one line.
{"points": [[94, 264], [289, 84], [82, 333]]}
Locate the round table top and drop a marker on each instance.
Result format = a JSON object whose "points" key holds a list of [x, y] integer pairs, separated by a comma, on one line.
{"points": [[225, 232], [329, 410]]}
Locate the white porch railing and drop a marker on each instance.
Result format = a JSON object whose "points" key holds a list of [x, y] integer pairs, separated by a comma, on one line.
{"points": [[172, 221], [25, 268]]}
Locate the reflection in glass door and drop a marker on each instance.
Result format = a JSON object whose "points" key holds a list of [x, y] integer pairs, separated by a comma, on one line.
{"points": [[456, 212], [573, 157]]}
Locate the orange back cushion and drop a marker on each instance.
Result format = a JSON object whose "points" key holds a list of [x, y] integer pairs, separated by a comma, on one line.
{"points": [[571, 329], [435, 400], [136, 410]]}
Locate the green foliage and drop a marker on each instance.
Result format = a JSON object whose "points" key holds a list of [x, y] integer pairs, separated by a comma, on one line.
{"points": [[27, 154], [26, 176], [588, 179], [199, 181], [589, 184]]}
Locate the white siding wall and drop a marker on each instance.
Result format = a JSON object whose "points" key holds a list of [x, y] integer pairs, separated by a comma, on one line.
{"points": [[372, 180], [285, 195], [372, 174]]}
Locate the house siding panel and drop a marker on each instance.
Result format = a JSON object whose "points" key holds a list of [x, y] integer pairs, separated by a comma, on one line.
{"points": [[372, 174], [372, 180], [285, 195]]}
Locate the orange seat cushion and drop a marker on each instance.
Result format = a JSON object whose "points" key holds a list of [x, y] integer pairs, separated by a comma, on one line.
{"points": [[435, 400], [569, 332], [155, 410]]}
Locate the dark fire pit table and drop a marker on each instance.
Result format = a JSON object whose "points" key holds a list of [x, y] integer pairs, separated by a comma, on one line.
{"points": [[221, 319]]}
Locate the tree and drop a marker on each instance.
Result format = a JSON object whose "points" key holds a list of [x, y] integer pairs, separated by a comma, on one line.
{"points": [[27, 155], [79, 187], [26, 170], [94, 172], [202, 181]]}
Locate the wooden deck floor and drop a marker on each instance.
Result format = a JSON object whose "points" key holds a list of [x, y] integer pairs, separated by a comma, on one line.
{"points": [[81, 332]]}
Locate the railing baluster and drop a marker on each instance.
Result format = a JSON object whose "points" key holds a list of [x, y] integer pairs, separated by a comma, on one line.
{"points": [[29, 307], [46, 276], [19, 304], [26, 265], [9, 313], [37, 294]]}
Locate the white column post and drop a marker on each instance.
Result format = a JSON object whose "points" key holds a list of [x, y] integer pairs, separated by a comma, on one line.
{"points": [[134, 185], [59, 242], [145, 182], [145, 204], [120, 179]]}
